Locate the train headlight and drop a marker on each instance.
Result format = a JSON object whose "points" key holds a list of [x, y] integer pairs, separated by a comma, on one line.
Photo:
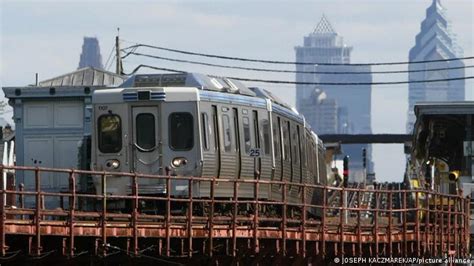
{"points": [[178, 161], [454, 175], [112, 164]]}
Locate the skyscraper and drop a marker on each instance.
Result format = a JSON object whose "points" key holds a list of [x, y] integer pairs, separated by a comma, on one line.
{"points": [[324, 45], [435, 41], [90, 56]]}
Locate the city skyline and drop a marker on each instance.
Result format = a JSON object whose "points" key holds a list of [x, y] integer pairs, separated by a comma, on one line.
{"points": [[205, 28]]}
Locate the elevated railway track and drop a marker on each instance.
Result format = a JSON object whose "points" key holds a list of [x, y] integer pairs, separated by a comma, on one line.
{"points": [[377, 221]]}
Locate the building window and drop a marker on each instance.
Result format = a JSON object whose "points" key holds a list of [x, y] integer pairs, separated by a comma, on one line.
{"points": [[110, 133], [181, 133], [145, 130]]}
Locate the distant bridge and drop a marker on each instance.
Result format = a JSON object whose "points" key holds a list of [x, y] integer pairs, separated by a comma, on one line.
{"points": [[366, 138]]}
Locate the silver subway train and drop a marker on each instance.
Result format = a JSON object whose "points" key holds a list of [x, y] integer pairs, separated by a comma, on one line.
{"points": [[196, 125]]}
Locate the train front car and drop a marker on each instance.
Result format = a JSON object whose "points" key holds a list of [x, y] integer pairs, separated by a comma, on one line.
{"points": [[195, 125], [146, 130]]}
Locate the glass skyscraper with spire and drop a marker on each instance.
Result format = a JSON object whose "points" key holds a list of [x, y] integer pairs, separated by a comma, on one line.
{"points": [[435, 41]]}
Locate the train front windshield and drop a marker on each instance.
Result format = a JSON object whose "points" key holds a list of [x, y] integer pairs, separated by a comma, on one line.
{"points": [[181, 131], [110, 133]]}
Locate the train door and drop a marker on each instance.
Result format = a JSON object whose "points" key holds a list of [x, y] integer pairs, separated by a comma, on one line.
{"points": [[209, 140], [228, 150], [145, 139]]}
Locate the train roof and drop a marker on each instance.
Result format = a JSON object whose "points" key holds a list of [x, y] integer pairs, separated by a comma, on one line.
{"points": [[203, 82], [196, 80]]}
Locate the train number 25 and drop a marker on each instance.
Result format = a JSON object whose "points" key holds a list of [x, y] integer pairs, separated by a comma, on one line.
{"points": [[254, 152]]}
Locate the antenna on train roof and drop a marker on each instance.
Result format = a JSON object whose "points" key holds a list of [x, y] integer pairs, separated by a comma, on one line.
{"points": [[118, 67]]}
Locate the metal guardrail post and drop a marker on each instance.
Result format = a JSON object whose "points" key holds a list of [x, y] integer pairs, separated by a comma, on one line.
{"points": [[190, 218], [390, 214], [135, 214], [211, 219], [3, 244], [284, 210], [376, 222], [417, 225], [405, 221], [72, 206], [323, 222], [467, 225], [168, 215], [104, 213], [435, 224], [427, 225], [235, 210], [342, 218], [359, 229], [303, 222], [255, 217], [38, 211], [449, 226]]}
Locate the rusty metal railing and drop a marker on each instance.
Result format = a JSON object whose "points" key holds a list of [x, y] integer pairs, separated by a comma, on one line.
{"points": [[424, 223]]}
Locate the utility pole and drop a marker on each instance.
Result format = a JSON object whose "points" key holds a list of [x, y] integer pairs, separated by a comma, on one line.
{"points": [[118, 66]]}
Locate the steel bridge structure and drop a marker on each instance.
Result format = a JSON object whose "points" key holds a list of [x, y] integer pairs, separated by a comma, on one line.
{"points": [[355, 221]]}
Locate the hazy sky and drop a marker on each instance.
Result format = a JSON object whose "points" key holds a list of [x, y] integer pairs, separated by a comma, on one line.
{"points": [[46, 37]]}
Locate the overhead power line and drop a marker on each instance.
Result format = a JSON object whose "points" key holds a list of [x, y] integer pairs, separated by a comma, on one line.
{"points": [[136, 46], [309, 83], [295, 71]]}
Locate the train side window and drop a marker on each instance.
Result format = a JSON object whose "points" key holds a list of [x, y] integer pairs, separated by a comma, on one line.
{"points": [[255, 130], [286, 142], [276, 138], [227, 133], [296, 139], [110, 133], [293, 145], [246, 124], [205, 132], [215, 127], [266, 136], [145, 130], [181, 133]]}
